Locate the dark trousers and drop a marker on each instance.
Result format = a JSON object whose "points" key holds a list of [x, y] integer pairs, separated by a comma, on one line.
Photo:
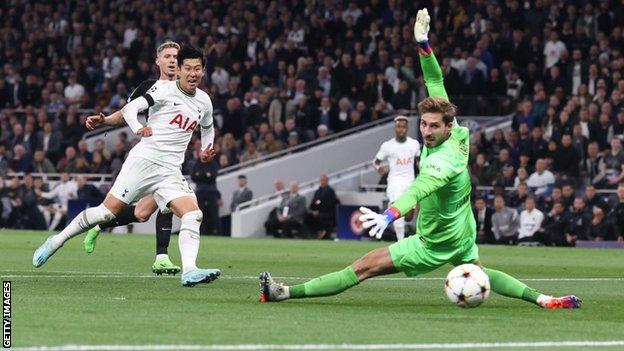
{"points": [[273, 226], [324, 221], [207, 201]]}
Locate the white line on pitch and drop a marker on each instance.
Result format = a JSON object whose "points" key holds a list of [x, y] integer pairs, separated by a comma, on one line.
{"points": [[236, 347], [104, 275]]}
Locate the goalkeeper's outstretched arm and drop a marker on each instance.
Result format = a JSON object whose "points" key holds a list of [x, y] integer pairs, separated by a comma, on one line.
{"points": [[428, 62]]}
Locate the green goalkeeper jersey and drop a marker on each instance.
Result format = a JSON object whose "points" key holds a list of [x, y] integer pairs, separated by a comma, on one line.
{"points": [[443, 186]]}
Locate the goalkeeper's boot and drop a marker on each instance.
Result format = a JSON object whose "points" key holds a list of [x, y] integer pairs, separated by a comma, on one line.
{"points": [[44, 252], [199, 276], [164, 265], [89, 240], [271, 291], [554, 303]]}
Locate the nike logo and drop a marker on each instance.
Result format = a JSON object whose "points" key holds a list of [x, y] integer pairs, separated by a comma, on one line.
{"points": [[176, 104]]}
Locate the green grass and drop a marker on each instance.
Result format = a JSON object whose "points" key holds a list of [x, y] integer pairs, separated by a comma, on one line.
{"points": [[110, 297]]}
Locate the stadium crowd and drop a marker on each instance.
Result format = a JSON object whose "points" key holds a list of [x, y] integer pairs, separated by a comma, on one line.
{"points": [[281, 73]]}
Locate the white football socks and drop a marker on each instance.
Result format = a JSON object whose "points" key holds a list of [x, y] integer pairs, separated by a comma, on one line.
{"points": [[188, 240], [83, 222], [399, 228]]}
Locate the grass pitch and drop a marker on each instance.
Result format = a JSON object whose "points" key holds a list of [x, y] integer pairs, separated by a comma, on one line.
{"points": [[110, 297]]}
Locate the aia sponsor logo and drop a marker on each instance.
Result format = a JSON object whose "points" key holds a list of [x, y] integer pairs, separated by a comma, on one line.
{"points": [[183, 123]]}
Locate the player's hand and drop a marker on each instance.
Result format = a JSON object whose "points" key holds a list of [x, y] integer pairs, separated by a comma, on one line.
{"points": [[375, 221], [421, 26], [382, 170], [94, 121], [145, 132], [208, 154]]}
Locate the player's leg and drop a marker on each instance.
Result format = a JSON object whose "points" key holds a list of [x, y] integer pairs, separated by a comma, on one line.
{"points": [[374, 263], [134, 180], [163, 264], [187, 209], [125, 217], [81, 223], [506, 285]]}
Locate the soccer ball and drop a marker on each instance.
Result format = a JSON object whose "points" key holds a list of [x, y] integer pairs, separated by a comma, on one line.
{"points": [[467, 285]]}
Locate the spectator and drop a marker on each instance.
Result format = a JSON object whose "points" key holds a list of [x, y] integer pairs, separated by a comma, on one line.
{"points": [[553, 50], [74, 92], [568, 159], [577, 227], [611, 168], [242, 194], [530, 223], [42, 164], [204, 174], [519, 197], [289, 216], [4, 164], [554, 225], [87, 191], [65, 190], [322, 215], [504, 222], [526, 116], [21, 160], [251, 153], [541, 179], [483, 216], [600, 229], [616, 216]]}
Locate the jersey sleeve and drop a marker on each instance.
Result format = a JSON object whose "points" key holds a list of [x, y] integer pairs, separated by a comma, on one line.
{"points": [[206, 120], [206, 125], [157, 93], [434, 174], [142, 89], [382, 154], [433, 76]]}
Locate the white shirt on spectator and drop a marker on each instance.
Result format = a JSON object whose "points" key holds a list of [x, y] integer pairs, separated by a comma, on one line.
{"points": [[541, 181], [112, 67], [63, 192], [553, 51], [129, 35], [530, 223], [74, 92], [355, 14], [297, 36], [220, 78]]}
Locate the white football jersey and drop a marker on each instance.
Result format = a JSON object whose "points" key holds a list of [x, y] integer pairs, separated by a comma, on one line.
{"points": [[400, 157], [173, 116]]}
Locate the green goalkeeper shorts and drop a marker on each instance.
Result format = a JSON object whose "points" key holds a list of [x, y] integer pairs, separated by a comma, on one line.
{"points": [[413, 257]]}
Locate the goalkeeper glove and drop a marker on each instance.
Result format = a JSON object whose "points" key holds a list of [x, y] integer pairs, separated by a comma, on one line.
{"points": [[377, 222], [421, 26]]}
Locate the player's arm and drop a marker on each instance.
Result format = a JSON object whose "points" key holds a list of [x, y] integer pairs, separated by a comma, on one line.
{"points": [[428, 62], [434, 174], [116, 118], [130, 115], [207, 136], [379, 159]]}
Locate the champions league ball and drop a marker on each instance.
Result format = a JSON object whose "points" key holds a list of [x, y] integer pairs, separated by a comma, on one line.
{"points": [[467, 285]]}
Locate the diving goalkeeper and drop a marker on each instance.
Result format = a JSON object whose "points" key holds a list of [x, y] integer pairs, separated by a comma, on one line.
{"points": [[446, 229]]}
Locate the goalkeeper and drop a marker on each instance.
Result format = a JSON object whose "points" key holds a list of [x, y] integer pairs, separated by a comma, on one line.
{"points": [[446, 229]]}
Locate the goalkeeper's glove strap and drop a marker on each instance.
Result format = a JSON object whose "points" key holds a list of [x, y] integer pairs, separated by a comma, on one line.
{"points": [[391, 214], [424, 48]]}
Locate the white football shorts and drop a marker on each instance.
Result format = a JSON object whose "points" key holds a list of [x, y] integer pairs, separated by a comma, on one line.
{"points": [[140, 177]]}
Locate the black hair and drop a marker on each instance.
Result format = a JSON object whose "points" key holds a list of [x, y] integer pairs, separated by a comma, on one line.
{"points": [[190, 52]]}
